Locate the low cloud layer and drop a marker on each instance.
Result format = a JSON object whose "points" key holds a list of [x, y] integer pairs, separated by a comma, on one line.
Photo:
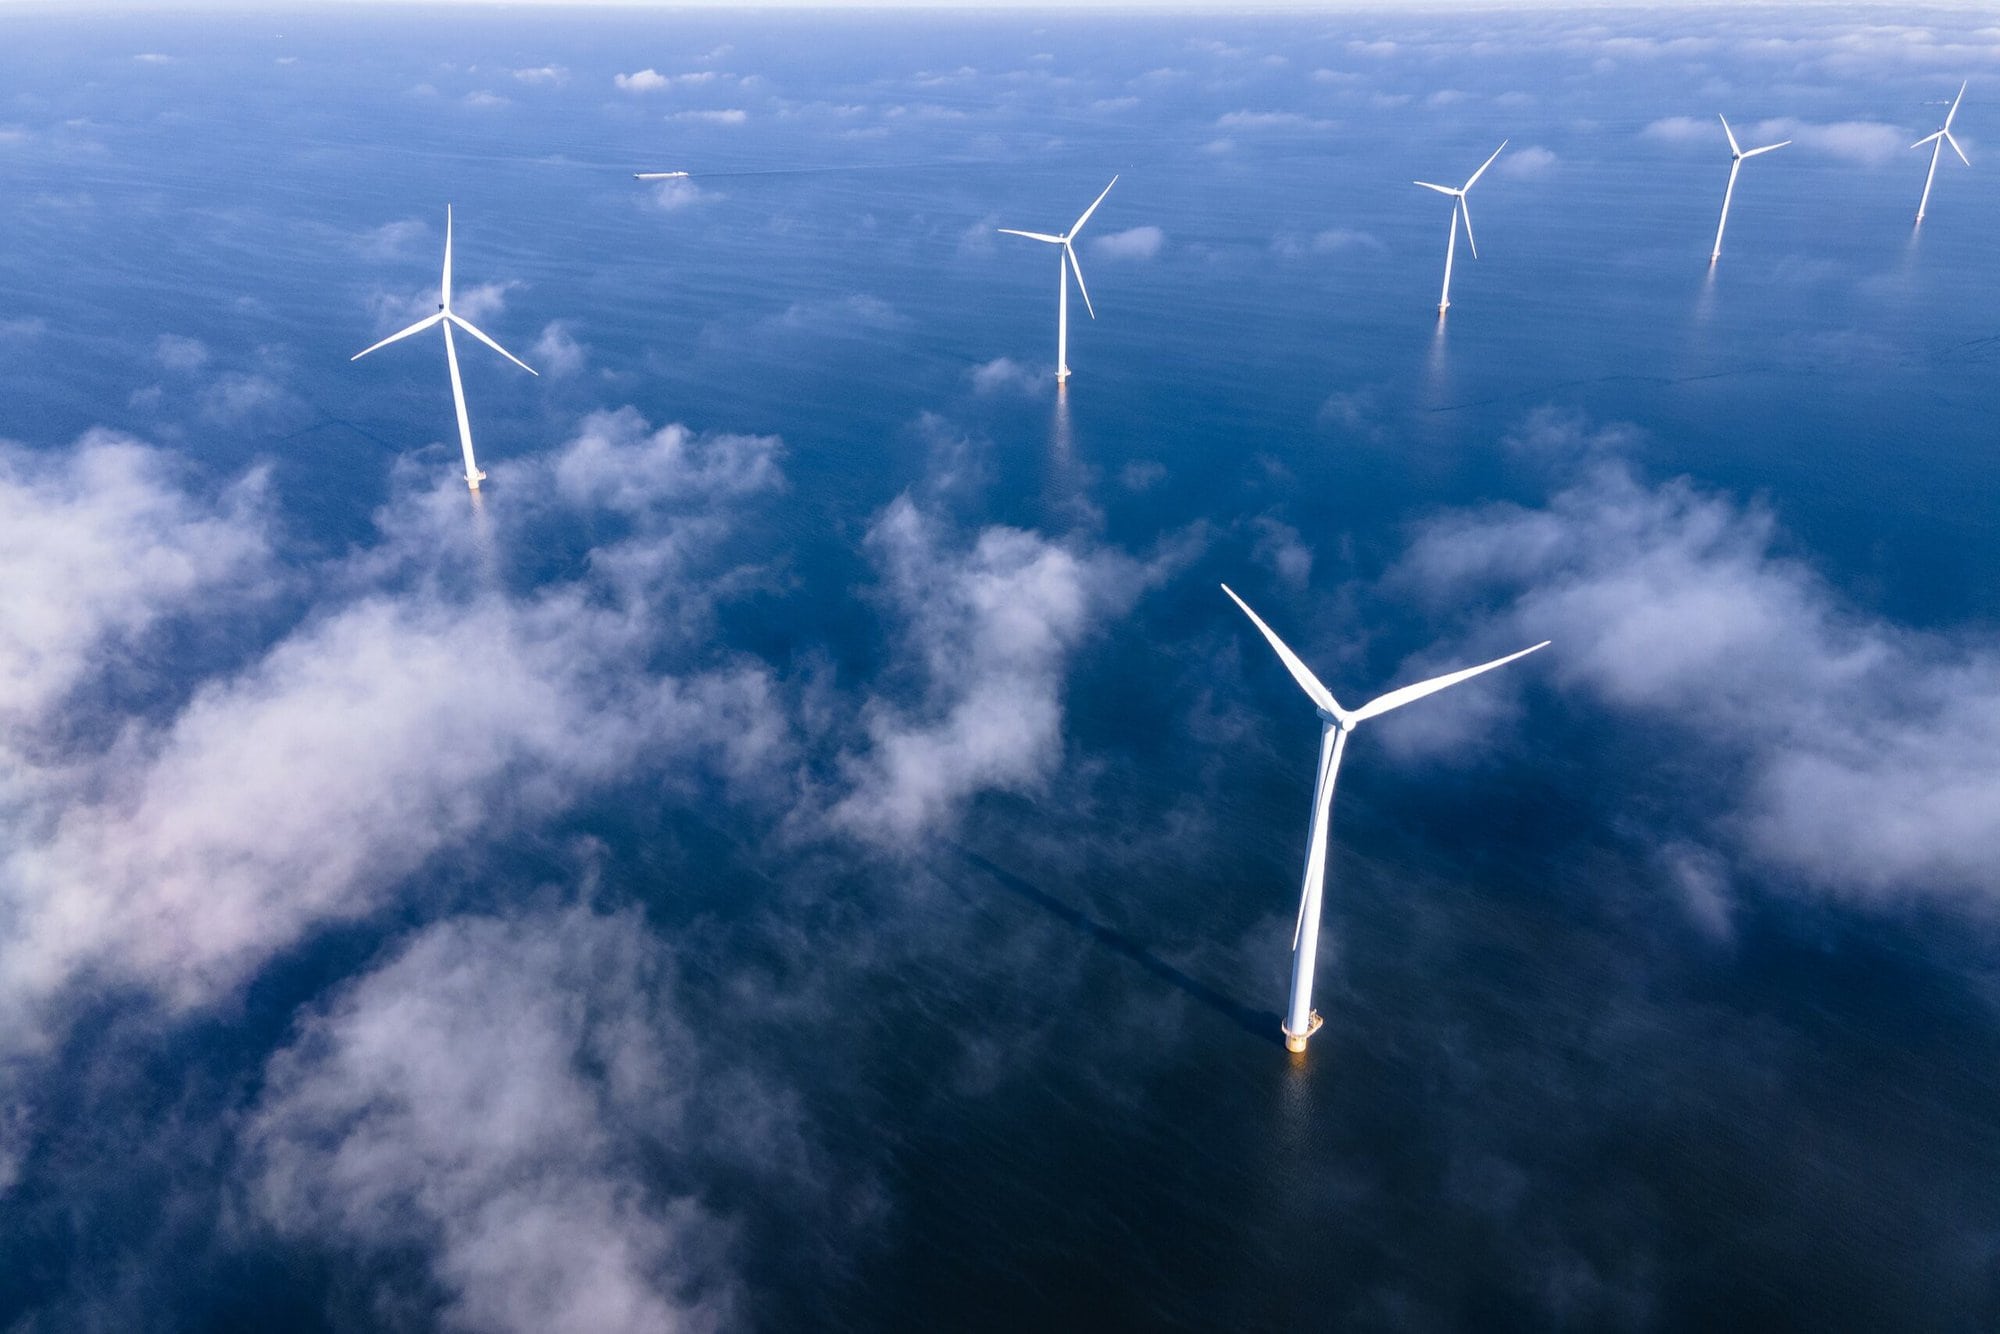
{"points": [[395, 721], [496, 1097], [102, 544], [1856, 754], [990, 630], [1132, 243]]}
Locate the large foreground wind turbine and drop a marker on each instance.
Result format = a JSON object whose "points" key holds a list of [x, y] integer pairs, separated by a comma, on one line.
{"points": [[1736, 155], [1066, 265], [1335, 723], [448, 317], [1458, 210], [1937, 142]]}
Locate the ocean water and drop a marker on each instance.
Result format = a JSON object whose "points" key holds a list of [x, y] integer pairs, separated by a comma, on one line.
{"points": [[832, 866]]}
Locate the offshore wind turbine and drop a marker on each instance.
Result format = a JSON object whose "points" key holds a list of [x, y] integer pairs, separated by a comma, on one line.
{"points": [[448, 317], [1737, 153], [1458, 210], [1066, 265], [1937, 142], [1301, 1021]]}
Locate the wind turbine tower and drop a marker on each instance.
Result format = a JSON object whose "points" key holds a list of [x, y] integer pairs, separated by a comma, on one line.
{"points": [[1301, 1021], [1066, 265], [448, 317]]}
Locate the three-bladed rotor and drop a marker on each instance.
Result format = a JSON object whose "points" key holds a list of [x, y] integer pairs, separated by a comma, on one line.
{"points": [[1459, 196], [1069, 251], [1736, 151], [1944, 133], [1345, 719]]}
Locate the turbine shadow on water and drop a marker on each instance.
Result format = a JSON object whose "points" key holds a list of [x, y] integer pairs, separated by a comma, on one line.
{"points": [[1260, 1024]]}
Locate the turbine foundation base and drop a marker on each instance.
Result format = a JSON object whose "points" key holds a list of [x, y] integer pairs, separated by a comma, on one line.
{"points": [[1297, 1041]]}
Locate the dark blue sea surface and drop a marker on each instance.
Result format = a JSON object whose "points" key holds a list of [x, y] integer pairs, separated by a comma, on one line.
{"points": [[811, 847]]}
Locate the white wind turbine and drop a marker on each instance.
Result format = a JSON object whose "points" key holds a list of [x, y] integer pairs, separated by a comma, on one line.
{"points": [[1736, 155], [1066, 265], [1458, 210], [1937, 142], [448, 317], [1301, 1022]]}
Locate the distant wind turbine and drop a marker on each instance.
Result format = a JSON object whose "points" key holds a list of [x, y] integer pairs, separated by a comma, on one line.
{"points": [[1066, 265], [1737, 153], [1301, 1021], [448, 317], [1458, 210], [1937, 142]]}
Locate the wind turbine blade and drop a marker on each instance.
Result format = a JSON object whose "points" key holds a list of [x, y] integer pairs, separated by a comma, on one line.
{"points": [[1092, 209], [1734, 147], [1482, 168], [444, 288], [400, 334], [1466, 213], [1033, 236], [1767, 148], [1954, 105], [1955, 148], [1396, 699], [1441, 189], [1309, 683], [1069, 251], [1928, 139], [467, 325]]}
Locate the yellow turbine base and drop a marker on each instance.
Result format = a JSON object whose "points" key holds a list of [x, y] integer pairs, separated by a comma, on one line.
{"points": [[1297, 1041]]}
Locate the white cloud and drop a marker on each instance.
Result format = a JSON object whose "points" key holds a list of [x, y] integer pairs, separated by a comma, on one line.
{"points": [[644, 81], [1004, 375], [1527, 162], [727, 116], [1864, 142], [674, 195], [1864, 749], [557, 352], [482, 100], [239, 397], [392, 239], [839, 314], [1270, 120], [1280, 549], [104, 542], [1135, 243], [1332, 241], [387, 727], [617, 462], [1685, 129], [491, 1098], [178, 353], [990, 631], [543, 76]]}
